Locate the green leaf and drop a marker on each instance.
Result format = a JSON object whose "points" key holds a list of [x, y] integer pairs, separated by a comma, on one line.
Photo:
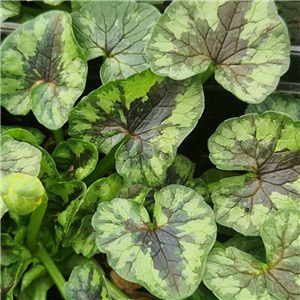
{"points": [[12, 252], [86, 283], [245, 41], [23, 134], [35, 272], [234, 274], [268, 146], [53, 2], [117, 30], [19, 157], [167, 256], [76, 5], [43, 69], [285, 103], [9, 9], [75, 159], [153, 113]]}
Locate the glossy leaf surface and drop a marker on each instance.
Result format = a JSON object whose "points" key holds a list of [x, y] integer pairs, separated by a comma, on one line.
{"points": [[245, 41], [19, 157], [268, 146], [118, 31], [43, 69], [75, 159], [154, 115], [234, 274], [166, 256]]}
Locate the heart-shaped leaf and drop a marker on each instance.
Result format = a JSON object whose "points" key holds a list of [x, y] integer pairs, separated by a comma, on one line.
{"points": [[234, 274], [19, 157], [86, 282], [153, 113], [75, 159], [267, 145], [285, 103], [9, 9], [117, 30], [166, 256], [43, 69], [246, 42]]}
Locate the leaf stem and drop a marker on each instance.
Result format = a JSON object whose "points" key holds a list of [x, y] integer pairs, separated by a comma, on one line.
{"points": [[104, 165], [58, 135], [35, 224], [51, 267], [207, 74]]}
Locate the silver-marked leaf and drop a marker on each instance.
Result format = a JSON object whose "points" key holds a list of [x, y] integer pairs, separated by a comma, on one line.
{"points": [[153, 113], [9, 9], [43, 69], [285, 103], [234, 274], [117, 30], [167, 256], [75, 159], [86, 283], [19, 157], [245, 41], [267, 145]]}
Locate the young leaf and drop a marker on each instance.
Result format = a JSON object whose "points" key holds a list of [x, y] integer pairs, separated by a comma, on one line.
{"points": [[30, 135], [267, 145], [43, 69], [167, 256], [233, 274], [75, 159], [117, 30], [153, 113], [285, 103], [9, 9], [245, 41], [86, 283], [19, 157]]}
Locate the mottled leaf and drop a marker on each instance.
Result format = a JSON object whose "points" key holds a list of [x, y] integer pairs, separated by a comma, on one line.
{"points": [[153, 113], [43, 69], [118, 31], [19, 157], [167, 256], [246, 42], [24, 134], [285, 103], [9, 9], [75, 159], [86, 283], [268, 146], [234, 274]]}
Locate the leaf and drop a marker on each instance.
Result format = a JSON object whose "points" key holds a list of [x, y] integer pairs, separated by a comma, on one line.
{"points": [[154, 114], [19, 157], [24, 134], [53, 2], [285, 103], [75, 159], [167, 256], [12, 252], [246, 42], [233, 274], [118, 31], [43, 69], [86, 282], [9, 9], [268, 146], [76, 5]]}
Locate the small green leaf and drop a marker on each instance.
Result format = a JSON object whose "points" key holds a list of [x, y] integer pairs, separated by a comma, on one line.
{"points": [[153, 113], [9, 9], [76, 5], [23, 134], [53, 2], [19, 157], [285, 103], [43, 69], [117, 30], [35, 272], [167, 256], [86, 283], [245, 41], [75, 159], [268, 146], [234, 274]]}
